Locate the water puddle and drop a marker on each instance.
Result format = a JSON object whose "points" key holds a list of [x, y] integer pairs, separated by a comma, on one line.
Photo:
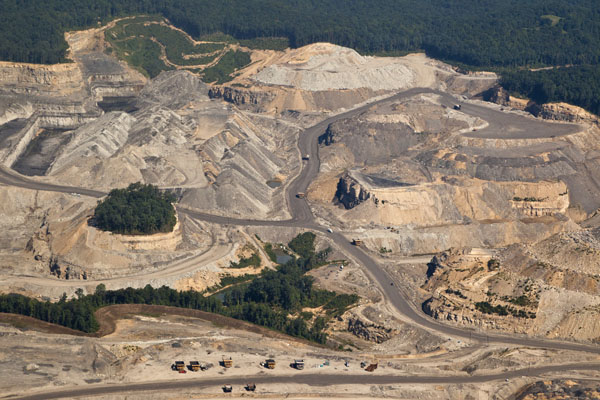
{"points": [[281, 256], [274, 183]]}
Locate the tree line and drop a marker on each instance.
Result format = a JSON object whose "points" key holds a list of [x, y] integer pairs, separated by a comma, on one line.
{"points": [[273, 300], [508, 35], [474, 32], [579, 85]]}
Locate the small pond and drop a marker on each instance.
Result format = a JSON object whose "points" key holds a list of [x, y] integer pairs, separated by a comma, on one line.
{"points": [[274, 183], [281, 256]]}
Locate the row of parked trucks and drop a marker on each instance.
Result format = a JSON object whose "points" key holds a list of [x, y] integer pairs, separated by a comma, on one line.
{"points": [[270, 363], [227, 362]]}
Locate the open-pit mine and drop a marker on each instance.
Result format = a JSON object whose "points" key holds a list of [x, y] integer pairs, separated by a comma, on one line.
{"points": [[467, 228]]}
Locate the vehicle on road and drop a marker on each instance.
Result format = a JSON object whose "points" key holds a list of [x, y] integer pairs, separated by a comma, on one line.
{"points": [[371, 367], [329, 230], [178, 366], [457, 107], [300, 195]]}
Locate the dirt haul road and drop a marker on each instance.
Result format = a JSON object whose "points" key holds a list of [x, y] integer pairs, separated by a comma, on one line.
{"points": [[307, 379]]}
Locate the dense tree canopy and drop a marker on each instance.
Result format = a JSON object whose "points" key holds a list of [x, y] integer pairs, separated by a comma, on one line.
{"points": [[474, 32], [507, 34], [139, 209], [579, 85]]}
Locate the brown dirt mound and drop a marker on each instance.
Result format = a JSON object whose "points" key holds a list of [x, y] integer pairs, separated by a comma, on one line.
{"points": [[29, 323]]}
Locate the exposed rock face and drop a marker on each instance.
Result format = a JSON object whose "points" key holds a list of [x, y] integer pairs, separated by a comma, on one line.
{"points": [[549, 288], [565, 112], [559, 389], [369, 331], [327, 138], [239, 97], [350, 193], [498, 95], [36, 79]]}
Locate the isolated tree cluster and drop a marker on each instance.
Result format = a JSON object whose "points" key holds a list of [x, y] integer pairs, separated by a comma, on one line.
{"points": [[137, 210]]}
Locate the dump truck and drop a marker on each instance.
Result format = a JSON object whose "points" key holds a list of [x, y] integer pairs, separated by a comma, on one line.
{"points": [[357, 242], [298, 364], [195, 365], [270, 363], [178, 366], [227, 362], [300, 195], [371, 367]]}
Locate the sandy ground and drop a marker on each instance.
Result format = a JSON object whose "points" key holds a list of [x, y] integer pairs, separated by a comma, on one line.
{"points": [[143, 347]]}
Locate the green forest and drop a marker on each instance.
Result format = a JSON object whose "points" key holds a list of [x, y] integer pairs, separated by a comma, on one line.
{"points": [[491, 34], [579, 85], [272, 299], [137, 210]]}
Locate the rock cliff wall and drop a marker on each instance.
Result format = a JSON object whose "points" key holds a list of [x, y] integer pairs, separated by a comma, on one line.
{"points": [[31, 79], [350, 193]]}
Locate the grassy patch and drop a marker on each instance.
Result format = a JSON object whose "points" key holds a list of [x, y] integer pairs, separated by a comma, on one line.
{"points": [[270, 252], [179, 48], [227, 65], [340, 303], [141, 41], [553, 19], [142, 54], [252, 261], [228, 280]]}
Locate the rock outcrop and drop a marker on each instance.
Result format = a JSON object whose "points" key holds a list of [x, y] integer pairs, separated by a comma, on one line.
{"points": [[518, 289], [498, 95], [369, 331], [239, 96], [559, 389], [350, 193], [34, 79], [565, 112]]}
